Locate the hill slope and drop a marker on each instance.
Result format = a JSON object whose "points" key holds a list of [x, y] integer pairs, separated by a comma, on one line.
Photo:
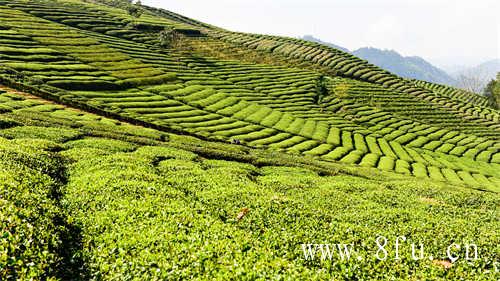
{"points": [[323, 142]]}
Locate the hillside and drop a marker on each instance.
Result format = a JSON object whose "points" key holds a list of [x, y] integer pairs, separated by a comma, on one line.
{"points": [[219, 155]]}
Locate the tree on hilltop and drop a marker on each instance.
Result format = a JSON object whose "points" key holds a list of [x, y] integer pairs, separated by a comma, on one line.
{"points": [[492, 91], [134, 9], [169, 38]]}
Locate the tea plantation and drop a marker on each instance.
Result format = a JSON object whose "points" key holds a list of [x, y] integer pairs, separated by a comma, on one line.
{"points": [[220, 155]]}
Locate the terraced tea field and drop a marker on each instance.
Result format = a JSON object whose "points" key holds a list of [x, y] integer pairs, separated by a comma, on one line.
{"points": [[218, 157]]}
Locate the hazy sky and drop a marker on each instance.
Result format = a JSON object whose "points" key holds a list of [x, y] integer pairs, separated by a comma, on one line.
{"points": [[442, 31]]}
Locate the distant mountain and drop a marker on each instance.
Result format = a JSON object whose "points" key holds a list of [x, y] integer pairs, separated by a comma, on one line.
{"points": [[476, 78], [488, 69], [408, 67], [313, 39]]}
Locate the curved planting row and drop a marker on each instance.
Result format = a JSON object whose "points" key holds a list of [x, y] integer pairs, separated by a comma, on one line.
{"points": [[344, 64], [261, 105], [266, 80], [280, 90], [110, 21], [70, 60], [149, 188], [455, 93], [84, 49], [376, 120], [393, 115], [205, 110]]}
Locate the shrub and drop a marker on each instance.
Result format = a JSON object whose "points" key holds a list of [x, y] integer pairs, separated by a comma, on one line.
{"points": [[386, 163], [227, 102], [321, 131], [471, 153], [347, 140], [169, 38], [353, 157], [48, 67], [77, 85], [31, 236], [272, 119], [386, 148], [261, 134], [164, 88], [304, 146], [495, 158], [296, 126], [394, 134], [435, 173], [419, 170], [337, 153], [231, 110], [433, 145], [247, 111], [334, 136], [109, 145], [288, 142], [400, 151], [194, 95], [406, 138], [370, 160], [467, 178], [210, 100], [437, 135], [6, 123], [451, 176], [402, 167], [359, 143], [270, 140], [415, 155], [54, 134], [445, 148], [419, 142], [432, 161], [320, 150], [372, 145], [483, 180], [458, 150], [134, 10], [143, 81], [484, 156]]}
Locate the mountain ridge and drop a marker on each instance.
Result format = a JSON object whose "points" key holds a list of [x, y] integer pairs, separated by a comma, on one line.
{"points": [[412, 67]]}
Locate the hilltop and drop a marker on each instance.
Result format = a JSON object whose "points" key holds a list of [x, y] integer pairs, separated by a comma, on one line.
{"points": [[156, 146]]}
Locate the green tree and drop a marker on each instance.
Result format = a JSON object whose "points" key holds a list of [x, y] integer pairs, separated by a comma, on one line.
{"points": [[169, 38], [492, 91], [135, 10], [321, 89]]}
